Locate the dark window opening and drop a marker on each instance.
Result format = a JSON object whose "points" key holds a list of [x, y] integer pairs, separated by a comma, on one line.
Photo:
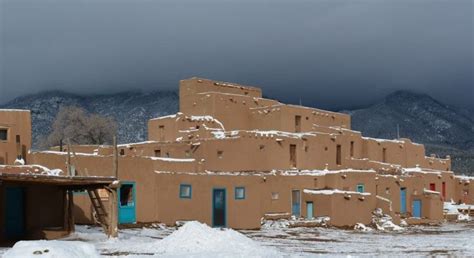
{"points": [[433, 187], [162, 132], [220, 154], [297, 124], [338, 155], [352, 149], [293, 155], [126, 195], [18, 139], [384, 155], [122, 152], [3, 134], [157, 153]]}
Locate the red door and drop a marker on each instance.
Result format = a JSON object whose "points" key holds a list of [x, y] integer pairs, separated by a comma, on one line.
{"points": [[443, 190]]}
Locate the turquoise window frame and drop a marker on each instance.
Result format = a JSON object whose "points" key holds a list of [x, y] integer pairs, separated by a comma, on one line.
{"points": [[181, 196], [362, 186], [235, 193]]}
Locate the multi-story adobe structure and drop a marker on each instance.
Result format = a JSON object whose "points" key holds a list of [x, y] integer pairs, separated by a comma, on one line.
{"points": [[230, 158], [15, 135]]}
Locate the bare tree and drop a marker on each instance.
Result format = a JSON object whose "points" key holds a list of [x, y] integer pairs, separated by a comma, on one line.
{"points": [[79, 127]]}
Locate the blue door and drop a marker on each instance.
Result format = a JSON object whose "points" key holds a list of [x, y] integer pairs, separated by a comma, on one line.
{"points": [[417, 208], [14, 212], [126, 203], [403, 200], [296, 203], [309, 210], [218, 208]]}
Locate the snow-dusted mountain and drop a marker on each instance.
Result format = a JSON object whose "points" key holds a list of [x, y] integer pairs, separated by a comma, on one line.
{"points": [[131, 110], [443, 129]]}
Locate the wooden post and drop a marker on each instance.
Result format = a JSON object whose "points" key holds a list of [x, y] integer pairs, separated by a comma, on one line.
{"points": [[113, 211], [70, 198], [115, 159], [69, 158]]}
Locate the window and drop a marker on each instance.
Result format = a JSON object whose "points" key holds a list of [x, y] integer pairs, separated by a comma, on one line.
{"points": [[239, 193], [126, 195], [122, 152], [275, 196], [161, 132], [443, 190], [220, 154], [338, 155], [433, 187], [157, 153], [360, 188], [3, 134], [293, 155], [18, 139], [384, 155], [297, 124], [185, 191], [352, 149]]}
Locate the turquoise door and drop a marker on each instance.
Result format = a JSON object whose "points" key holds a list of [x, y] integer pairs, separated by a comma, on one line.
{"points": [[417, 208], [309, 210], [296, 203], [219, 208], [14, 213], [403, 200], [126, 203]]}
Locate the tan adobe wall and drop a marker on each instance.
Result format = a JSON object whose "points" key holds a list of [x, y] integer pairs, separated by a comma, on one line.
{"points": [[191, 87], [18, 124], [338, 205], [464, 190]]}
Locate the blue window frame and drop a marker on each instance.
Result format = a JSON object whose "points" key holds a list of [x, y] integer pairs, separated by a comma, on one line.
{"points": [[185, 191], [239, 193], [360, 188]]}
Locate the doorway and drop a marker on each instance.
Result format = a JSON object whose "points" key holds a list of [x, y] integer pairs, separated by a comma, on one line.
{"points": [[126, 202], [219, 207], [293, 155], [296, 203], [309, 210], [403, 200], [417, 208], [14, 212]]}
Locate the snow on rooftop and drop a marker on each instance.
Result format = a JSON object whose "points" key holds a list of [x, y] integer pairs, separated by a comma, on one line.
{"points": [[163, 117], [171, 159], [430, 191], [53, 249], [14, 110], [322, 172], [332, 191], [382, 140], [272, 133]]}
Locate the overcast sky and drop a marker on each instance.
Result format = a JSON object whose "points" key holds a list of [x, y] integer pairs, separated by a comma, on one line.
{"points": [[331, 54]]}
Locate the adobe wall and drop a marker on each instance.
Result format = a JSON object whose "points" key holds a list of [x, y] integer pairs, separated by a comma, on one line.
{"points": [[17, 123], [338, 205], [464, 190]]}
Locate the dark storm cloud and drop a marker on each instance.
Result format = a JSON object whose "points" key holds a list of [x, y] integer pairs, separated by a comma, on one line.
{"points": [[328, 53]]}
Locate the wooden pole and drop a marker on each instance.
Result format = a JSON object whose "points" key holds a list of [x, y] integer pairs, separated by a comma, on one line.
{"points": [[112, 230], [70, 198], [115, 159], [69, 158]]}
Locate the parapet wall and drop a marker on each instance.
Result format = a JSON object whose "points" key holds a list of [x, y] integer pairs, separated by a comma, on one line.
{"points": [[15, 135]]}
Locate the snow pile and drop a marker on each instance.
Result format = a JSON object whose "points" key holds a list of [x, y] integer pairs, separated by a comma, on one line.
{"points": [[52, 172], [51, 249], [363, 228], [19, 161], [451, 208], [198, 240], [383, 222]]}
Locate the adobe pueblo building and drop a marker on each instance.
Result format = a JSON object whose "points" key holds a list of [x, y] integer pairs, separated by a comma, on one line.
{"points": [[231, 158]]}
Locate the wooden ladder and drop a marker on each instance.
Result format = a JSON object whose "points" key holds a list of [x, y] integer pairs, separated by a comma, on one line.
{"points": [[99, 209]]}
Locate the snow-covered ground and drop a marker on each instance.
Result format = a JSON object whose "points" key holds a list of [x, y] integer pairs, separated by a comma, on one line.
{"points": [[198, 240]]}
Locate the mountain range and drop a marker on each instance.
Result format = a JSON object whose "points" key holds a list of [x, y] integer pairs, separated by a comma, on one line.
{"points": [[445, 130]]}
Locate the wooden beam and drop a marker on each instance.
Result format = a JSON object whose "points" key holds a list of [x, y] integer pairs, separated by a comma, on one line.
{"points": [[115, 160], [71, 226]]}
